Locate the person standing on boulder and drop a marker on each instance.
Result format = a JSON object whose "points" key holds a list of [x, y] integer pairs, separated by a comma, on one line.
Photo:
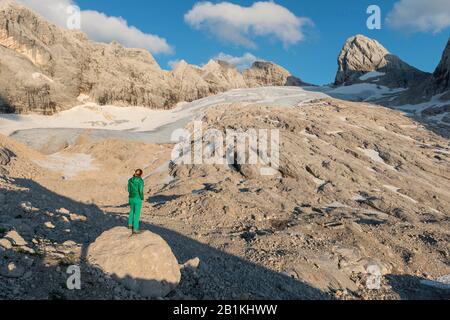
{"points": [[136, 196]]}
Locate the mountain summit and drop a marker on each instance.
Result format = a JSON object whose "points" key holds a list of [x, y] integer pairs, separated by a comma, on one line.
{"points": [[365, 60], [441, 77], [269, 74]]}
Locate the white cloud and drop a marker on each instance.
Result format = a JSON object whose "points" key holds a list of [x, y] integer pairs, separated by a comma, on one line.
{"points": [[238, 24], [420, 15], [243, 62], [98, 26]]}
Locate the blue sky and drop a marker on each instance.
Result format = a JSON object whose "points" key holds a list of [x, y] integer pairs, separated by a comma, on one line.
{"points": [[416, 39]]}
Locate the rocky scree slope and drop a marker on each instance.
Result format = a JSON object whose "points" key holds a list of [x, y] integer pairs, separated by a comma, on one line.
{"points": [[357, 185]]}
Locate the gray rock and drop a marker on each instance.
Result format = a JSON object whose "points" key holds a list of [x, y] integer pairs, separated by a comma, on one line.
{"points": [[28, 250], [28, 261], [15, 238], [5, 156], [12, 270], [77, 217], [269, 74], [49, 225], [191, 264], [361, 55], [70, 243], [27, 207], [441, 76], [142, 263], [63, 211], [5, 243]]}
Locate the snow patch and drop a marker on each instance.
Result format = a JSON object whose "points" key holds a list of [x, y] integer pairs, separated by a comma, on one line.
{"points": [[309, 135], [372, 74], [318, 181], [447, 152], [396, 190], [359, 198], [364, 91], [70, 165], [375, 156], [441, 283], [140, 119], [334, 132], [419, 108], [40, 76], [337, 205]]}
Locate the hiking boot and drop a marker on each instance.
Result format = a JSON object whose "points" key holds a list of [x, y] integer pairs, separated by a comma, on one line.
{"points": [[130, 227], [137, 232]]}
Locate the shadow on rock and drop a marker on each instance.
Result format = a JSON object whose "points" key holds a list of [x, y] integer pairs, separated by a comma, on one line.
{"points": [[412, 288], [50, 222]]}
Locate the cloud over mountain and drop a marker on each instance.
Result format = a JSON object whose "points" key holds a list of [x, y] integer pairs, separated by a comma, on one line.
{"points": [[243, 62], [239, 25]]}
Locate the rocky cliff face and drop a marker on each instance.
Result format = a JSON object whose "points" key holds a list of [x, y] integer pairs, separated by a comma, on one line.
{"points": [[189, 83], [270, 74], [366, 60], [426, 95], [429, 86], [55, 66], [44, 69], [441, 77]]}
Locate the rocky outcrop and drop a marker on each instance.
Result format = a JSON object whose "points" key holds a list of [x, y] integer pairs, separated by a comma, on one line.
{"points": [[5, 156], [441, 77], [44, 69], [221, 76], [15, 238], [366, 60], [189, 83], [23, 88], [436, 85], [269, 74], [57, 65], [142, 263]]}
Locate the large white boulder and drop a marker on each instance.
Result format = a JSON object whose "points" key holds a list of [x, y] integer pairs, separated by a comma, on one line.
{"points": [[143, 263]]}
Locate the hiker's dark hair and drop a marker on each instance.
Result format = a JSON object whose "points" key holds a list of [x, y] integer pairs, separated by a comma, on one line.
{"points": [[138, 173]]}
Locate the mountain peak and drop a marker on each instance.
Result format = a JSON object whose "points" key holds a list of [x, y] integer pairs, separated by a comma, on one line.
{"points": [[358, 56], [441, 77], [270, 74], [366, 41], [212, 65], [366, 60]]}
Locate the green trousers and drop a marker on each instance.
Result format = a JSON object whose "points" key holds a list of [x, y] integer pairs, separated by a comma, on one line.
{"points": [[135, 213]]}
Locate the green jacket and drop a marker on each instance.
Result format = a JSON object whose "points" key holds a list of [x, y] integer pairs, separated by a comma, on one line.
{"points": [[136, 188]]}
